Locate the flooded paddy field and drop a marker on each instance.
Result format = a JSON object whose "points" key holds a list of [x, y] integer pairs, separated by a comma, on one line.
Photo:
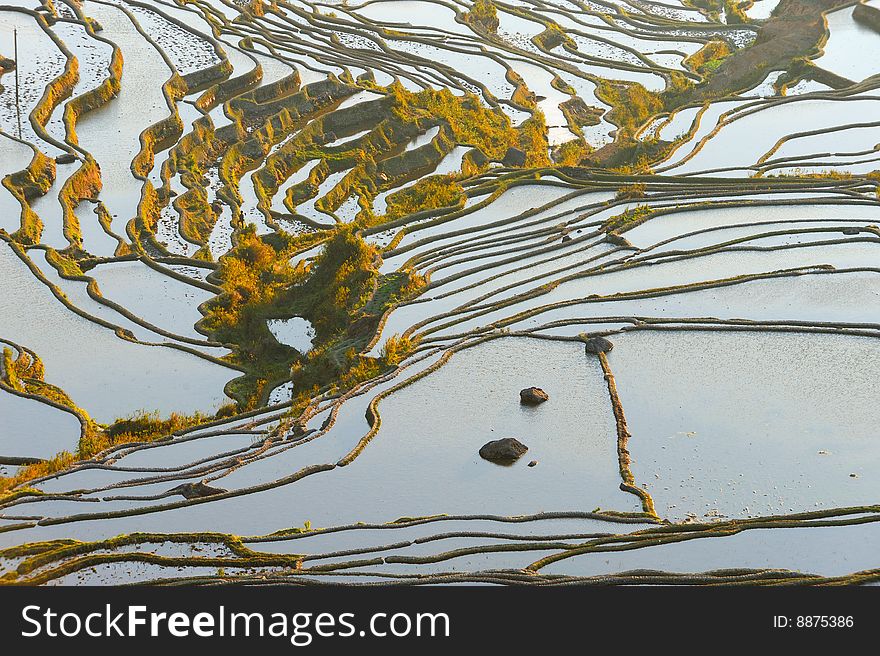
{"points": [[429, 291]]}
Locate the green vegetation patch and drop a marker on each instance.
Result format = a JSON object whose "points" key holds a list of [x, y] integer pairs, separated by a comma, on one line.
{"points": [[430, 193]]}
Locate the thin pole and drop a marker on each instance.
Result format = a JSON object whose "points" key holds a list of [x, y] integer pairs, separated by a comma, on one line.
{"points": [[17, 100]]}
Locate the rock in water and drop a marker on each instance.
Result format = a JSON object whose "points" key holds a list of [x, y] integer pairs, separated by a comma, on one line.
{"points": [[532, 396], [505, 451], [196, 490], [597, 345]]}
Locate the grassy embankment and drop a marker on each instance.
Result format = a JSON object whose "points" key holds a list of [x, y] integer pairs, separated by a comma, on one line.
{"points": [[24, 375], [792, 34], [341, 292]]}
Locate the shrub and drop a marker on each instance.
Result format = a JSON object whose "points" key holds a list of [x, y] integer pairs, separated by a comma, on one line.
{"points": [[483, 14]]}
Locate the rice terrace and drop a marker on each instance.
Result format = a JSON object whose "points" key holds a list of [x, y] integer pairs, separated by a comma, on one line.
{"points": [[407, 292]]}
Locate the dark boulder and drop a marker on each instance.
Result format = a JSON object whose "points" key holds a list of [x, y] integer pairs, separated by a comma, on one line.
{"points": [[65, 158], [505, 451], [532, 396], [196, 490], [597, 345], [299, 429], [617, 240], [514, 157]]}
